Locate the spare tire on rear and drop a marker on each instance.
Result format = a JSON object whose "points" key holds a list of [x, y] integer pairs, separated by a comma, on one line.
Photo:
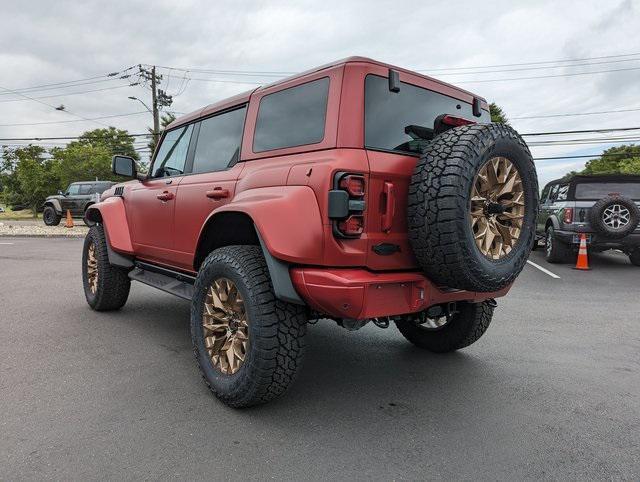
{"points": [[614, 216], [473, 202]]}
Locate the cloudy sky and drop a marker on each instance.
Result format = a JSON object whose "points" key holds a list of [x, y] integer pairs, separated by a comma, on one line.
{"points": [[230, 47]]}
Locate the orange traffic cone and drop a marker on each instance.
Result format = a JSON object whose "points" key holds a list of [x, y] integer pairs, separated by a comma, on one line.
{"points": [[583, 261], [69, 222]]}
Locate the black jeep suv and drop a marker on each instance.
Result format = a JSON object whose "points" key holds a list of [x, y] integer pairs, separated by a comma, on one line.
{"points": [[604, 207], [77, 198]]}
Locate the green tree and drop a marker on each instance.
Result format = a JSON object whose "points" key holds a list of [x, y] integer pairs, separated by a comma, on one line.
{"points": [[117, 141], [165, 120], [615, 160], [11, 158], [83, 162], [35, 176], [497, 114]]}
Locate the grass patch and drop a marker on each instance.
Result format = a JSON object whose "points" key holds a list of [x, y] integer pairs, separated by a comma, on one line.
{"points": [[10, 215]]}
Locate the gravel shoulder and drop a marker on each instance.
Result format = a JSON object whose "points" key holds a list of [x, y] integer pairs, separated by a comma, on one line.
{"points": [[20, 229]]}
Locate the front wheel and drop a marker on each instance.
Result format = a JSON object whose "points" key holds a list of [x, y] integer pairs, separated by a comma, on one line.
{"points": [[248, 344], [106, 287], [444, 334]]}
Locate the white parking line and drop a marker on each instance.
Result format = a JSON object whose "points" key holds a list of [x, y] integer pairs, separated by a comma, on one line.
{"points": [[6, 243], [544, 270]]}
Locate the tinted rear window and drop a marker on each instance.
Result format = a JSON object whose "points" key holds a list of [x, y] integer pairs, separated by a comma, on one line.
{"points": [[388, 113], [598, 190], [292, 117]]}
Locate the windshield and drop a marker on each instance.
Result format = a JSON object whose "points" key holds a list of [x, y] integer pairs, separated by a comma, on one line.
{"points": [[598, 190], [387, 113]]}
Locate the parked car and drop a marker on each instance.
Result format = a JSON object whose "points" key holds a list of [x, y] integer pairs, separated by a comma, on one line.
{"points": [[1, 209], [77, 198], [603, 207], [357, 191]]}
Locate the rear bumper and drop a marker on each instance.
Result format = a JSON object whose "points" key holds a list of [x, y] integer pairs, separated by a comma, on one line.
{"points": [[360, 294], [598, 241]]}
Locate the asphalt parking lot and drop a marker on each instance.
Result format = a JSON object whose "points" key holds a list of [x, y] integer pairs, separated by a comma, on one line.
{"points": [[552, 391]]}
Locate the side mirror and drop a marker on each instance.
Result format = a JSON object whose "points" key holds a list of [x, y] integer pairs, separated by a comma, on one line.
{"points": [[60, 193], [124, 166]]}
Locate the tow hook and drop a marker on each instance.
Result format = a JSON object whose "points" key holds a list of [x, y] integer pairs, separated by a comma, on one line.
{"points": [[491, 302]]}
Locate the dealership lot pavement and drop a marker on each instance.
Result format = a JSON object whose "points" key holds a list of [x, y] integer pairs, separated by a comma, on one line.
{"points": [[551, 391]]}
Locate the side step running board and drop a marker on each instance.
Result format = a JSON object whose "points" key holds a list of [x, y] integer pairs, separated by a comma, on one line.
{"points": [[178, 284]]}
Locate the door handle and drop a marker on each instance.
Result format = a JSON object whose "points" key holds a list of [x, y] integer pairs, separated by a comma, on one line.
{"points": [[389, 206], [165, 196], [217, 193]]}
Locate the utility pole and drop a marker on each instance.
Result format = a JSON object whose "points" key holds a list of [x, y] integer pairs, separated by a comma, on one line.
{"points": [[159, 98], [154, 97]]}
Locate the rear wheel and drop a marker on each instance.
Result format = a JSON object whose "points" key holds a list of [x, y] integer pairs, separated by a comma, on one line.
{"points": [[50, 217], [555, 251], [248, 344], [442, 335], [106, 287]]}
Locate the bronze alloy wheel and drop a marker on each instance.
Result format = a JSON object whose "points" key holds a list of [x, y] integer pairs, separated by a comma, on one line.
{"points": [[497, 208], [92, 268], [224, 322]]}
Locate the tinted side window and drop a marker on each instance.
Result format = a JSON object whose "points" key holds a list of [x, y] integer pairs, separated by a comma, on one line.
{"points": [[552, 194], [219, 141], [172, 153], [100, 188], [562, 193], [84, 189], [292, 117], [545, 193]]}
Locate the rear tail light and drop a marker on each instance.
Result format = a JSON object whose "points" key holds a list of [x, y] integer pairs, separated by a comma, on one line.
{"points": [[346, 204], [353, 184], [352, 226], [568, 215]]}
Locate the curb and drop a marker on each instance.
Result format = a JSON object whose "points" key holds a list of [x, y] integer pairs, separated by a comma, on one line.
{"points": [[69, 236]]}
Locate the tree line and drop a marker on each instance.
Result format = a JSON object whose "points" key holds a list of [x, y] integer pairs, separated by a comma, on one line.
{"points": [[28, 174]]}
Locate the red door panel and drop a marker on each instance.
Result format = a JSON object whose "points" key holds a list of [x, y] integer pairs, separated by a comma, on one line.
{"points": [[199, 195], [151, 210]]}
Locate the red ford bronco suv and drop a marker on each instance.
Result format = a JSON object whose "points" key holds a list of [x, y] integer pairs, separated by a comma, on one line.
{"points": [[356, 191]]}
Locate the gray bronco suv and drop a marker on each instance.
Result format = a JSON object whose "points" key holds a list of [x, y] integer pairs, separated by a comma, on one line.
{"points": [[77, 198], [603, 207]]}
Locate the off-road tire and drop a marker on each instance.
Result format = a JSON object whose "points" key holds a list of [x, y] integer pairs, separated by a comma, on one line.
{"points": [[597, 221], [50, 217], [113, 282], [465, 328], [555, 251], [634, 257], [440, 232], [276, 330]]}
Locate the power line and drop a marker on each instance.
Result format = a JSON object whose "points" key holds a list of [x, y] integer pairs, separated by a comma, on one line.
{"points": [[73, 83], [75, 120], [73, 93], [52, 106], [545, 76], [573, 114], [593, 156], [583, 131], [536, 68], [534, 63]]}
